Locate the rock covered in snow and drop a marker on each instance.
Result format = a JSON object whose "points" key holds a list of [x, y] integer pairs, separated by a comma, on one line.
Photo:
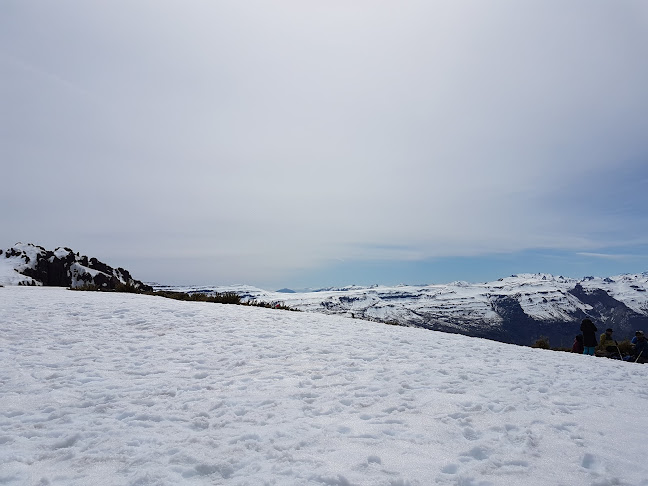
{"points": [[28, 264]]}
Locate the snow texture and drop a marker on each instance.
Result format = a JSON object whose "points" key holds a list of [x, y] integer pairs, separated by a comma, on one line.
{"points": [[10, 276], [11, 266], [109, 388]]}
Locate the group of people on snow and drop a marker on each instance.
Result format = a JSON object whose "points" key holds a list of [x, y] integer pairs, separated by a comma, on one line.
{"points": [[586, 343]]}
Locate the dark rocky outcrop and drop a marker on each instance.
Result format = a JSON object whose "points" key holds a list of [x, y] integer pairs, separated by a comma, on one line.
{"points": [[64, 268]]}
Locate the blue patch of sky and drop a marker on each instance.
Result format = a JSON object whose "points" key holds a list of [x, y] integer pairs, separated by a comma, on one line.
{"points": [[621, 190], [613, 261]]}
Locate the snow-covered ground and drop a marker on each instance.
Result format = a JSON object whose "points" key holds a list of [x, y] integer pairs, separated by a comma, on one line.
{"points": [[112, 389], [541, 296]]}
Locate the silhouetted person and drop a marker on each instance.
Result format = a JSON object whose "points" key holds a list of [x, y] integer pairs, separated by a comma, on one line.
{"points": [[589, 336], [578, 347]]}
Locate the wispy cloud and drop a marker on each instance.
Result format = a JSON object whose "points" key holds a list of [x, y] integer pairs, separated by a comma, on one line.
{"points": [[608, 256]]}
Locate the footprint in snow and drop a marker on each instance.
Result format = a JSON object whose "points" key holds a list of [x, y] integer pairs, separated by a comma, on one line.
{"points": [[592, 463], [450, 469], [477, 453]]}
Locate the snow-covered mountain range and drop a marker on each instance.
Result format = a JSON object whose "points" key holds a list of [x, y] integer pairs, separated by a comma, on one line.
{"points": [[28, 264], [516, 309]]}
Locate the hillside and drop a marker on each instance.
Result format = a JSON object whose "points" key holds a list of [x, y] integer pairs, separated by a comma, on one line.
{"points": [[517, 309], [29, 264], [113, 388]]}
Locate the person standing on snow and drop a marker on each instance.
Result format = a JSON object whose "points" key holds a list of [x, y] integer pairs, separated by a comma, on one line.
{"points": [[589, 336]]}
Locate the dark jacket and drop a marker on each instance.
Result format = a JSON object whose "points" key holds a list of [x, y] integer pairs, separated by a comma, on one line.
{"points": [[589, 333]]}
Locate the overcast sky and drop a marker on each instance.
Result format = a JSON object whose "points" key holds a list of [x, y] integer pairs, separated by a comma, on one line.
{"points": [[312, 143]]}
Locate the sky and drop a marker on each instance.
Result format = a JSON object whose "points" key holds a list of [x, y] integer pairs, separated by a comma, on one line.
{"points": [[308, 144]]}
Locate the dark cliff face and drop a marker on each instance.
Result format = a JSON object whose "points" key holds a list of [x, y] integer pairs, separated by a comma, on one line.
{"points": [[64, 268], [610, 312], [517, 327], [508, 316]]}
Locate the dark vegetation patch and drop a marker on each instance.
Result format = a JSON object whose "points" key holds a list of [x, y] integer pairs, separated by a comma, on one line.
{"points": [[214, 297]]}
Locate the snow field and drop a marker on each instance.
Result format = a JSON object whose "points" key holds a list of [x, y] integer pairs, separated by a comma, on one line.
{"points": [[107, 389]]}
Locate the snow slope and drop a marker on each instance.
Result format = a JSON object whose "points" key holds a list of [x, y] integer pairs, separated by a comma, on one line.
{"points": [[109, 388], [516, 309]]}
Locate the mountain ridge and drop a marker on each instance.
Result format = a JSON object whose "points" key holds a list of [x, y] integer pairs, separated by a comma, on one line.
{"points": [[517, 309]]}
